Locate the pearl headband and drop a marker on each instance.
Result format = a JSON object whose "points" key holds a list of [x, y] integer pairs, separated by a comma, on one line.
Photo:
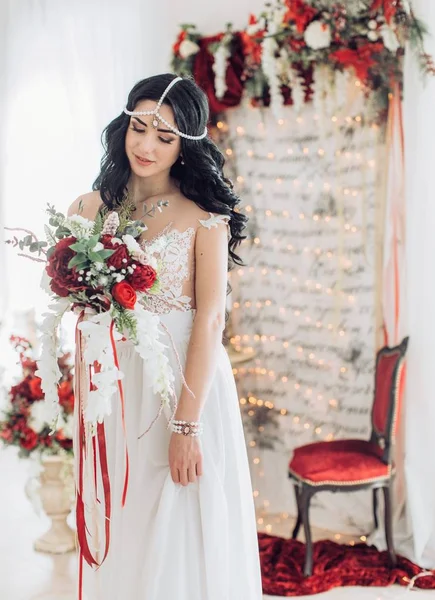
{"points": [[158, 117]]}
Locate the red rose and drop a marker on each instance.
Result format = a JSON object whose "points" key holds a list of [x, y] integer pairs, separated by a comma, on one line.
{"points": [[118, 257], [35, 388], [58, 289], [29, 438], [58, 269], [142, 278], [124, 294]]}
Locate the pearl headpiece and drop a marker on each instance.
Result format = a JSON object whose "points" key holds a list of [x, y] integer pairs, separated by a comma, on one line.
{"points": [[158, 117]]}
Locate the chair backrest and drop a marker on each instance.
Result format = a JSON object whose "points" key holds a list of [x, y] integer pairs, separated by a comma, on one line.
{"points": [[388, 376]]}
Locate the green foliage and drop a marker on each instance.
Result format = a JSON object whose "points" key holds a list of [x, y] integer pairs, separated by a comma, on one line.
{"points": [[124, 320], [86, 253]]}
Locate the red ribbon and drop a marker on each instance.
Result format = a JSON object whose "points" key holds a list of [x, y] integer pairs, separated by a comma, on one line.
{"points": [[83, 453]]}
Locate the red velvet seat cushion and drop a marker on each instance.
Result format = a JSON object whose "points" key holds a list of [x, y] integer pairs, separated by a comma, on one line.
{"points": [[344, 462]]}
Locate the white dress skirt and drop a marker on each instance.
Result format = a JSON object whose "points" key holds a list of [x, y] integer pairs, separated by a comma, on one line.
{"points": [[171, 542]]}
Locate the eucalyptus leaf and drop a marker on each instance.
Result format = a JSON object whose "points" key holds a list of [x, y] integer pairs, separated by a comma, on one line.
{"points": [[95, 256], [80, 246], [93, 240], [77, 260]]}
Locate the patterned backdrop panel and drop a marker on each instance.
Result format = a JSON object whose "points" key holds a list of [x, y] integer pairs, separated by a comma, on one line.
{"points": [[306, 299]]}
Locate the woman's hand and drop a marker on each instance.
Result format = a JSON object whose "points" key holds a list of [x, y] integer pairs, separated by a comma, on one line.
{"points": [[185, 458]]}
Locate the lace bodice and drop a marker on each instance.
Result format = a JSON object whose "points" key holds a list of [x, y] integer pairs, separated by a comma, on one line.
{"points": [[174, 251]]}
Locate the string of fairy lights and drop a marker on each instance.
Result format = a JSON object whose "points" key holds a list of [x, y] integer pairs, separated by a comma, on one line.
{"points": [[338, 225]]}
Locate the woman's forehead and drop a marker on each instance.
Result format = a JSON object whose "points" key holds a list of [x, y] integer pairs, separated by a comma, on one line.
{"points": [[165, 110]]}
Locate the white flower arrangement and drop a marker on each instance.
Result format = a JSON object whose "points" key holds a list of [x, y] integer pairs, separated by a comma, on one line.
{"points": [[220, 65], [270, 70]]}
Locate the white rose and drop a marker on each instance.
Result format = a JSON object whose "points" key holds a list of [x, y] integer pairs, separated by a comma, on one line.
{"points": [[318, 35], [372, 36], [373, 24], [131, 243], [188, 48], [390, 38]]}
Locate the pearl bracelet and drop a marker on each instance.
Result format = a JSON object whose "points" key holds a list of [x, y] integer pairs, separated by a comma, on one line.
{"points": [[192, 428]]}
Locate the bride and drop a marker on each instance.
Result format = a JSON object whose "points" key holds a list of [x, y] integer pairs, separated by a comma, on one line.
{"points": [[187, 530]]}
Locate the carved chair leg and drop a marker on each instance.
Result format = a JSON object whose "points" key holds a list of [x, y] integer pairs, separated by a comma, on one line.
{"points": [[304, 499], [299, 519], [375, 507], [389, 526]]}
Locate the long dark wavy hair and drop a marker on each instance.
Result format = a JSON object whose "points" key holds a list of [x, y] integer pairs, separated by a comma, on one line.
{"points": [[201, 178]]}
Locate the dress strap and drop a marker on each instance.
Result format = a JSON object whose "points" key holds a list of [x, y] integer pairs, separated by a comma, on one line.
{"points": [[215, 220]]}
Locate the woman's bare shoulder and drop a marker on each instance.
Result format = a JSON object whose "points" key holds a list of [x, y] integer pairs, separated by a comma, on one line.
{"points": [[86, 205], [191, 210]]}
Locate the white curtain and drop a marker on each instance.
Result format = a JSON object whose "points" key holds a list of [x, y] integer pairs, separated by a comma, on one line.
{"points": [[420, 393], [68, 67]]}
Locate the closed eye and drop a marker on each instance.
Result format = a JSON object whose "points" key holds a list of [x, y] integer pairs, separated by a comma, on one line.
{"points": [[164, 140]]}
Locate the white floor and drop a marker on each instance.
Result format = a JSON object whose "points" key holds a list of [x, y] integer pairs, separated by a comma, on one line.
{"points": [[28, 575]]}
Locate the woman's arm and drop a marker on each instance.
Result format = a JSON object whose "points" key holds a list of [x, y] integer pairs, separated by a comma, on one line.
{"points": [[211, 252], [211, 256]]}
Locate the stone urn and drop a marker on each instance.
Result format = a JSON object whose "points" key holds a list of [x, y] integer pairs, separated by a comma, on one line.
{"points": [[56, 492]]}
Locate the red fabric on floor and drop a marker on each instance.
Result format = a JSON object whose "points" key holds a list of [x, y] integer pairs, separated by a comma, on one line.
{"points": [[335, 565]]}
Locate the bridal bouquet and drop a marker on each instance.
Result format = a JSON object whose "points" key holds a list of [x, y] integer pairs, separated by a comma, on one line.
{"points": [[99, 270]]}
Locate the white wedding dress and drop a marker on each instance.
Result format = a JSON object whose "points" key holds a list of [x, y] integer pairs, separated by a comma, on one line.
{"points": [[171, 542]]}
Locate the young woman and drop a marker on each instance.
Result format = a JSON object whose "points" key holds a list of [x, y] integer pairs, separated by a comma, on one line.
{"points": [[188, 529]]}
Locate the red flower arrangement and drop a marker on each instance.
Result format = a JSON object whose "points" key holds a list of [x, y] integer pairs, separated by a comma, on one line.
{"points": [[370, 43], [23, 425]]}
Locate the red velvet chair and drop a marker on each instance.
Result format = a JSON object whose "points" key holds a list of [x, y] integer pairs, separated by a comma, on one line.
{"points": [[351, 465]]}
